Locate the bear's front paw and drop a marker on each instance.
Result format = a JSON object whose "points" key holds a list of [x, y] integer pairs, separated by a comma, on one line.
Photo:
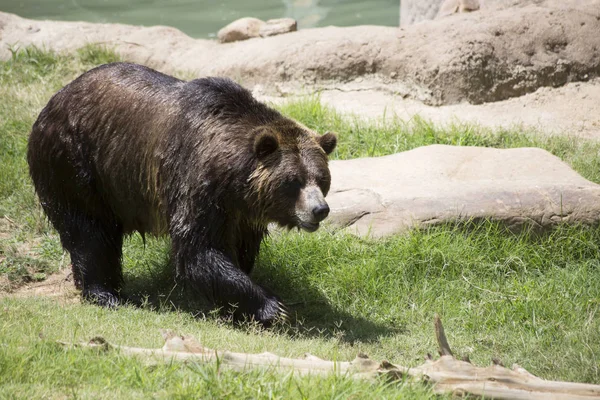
{"points": [[96, 294], [273, 310]]}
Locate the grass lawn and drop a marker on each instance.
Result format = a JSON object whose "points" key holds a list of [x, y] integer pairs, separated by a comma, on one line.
{"points": [[520, 298]]}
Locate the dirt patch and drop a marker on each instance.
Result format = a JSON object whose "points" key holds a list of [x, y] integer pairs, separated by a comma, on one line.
{"points": [[24, 272], [58, 286]]}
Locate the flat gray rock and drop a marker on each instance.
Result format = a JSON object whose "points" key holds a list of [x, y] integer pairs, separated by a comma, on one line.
{"points": [[436, 184], [278, 26]]}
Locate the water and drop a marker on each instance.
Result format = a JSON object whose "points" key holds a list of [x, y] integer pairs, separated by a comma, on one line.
{"points": [[203, 18]]}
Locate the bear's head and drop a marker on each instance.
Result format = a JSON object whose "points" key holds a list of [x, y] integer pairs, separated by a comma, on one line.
{"points": [[292, 178]]}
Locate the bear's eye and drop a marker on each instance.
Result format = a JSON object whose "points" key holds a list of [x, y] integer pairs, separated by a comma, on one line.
{"points": [[323, 182], [292, 186]]}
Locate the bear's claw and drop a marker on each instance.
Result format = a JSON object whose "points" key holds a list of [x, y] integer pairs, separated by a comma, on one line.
{"points": [[273, 310], [100, 296], [283, 312]]}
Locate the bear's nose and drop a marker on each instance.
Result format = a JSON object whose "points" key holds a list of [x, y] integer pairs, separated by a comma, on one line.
{"points": [[321, 211]]}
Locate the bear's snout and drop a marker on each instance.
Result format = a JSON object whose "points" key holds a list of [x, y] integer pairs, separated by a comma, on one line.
{"points": [[311, 208], [321, 212]]}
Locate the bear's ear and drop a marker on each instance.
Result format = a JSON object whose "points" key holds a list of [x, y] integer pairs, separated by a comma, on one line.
{"points": [[327, 142], [265, 143]]}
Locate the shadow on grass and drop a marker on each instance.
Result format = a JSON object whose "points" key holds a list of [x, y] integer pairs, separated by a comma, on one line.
{"points": [[312, 314]]}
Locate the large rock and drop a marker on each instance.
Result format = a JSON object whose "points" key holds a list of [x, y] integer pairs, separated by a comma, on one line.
{"points": [[248, 28], [436, 184], [488, 55], [240, 29]]}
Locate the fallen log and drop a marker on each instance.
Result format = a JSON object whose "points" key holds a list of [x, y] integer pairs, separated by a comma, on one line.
{"points": [[445, 375]]}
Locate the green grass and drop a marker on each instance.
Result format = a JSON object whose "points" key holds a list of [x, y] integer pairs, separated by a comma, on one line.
{"points": [[28, 80], [530, 299]]}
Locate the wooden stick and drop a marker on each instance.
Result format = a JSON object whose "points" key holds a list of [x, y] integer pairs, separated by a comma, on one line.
{"points": [[446, 375], [441, 337]]}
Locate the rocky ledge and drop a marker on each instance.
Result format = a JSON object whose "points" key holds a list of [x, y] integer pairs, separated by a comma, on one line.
{"points": [[488, 55]]}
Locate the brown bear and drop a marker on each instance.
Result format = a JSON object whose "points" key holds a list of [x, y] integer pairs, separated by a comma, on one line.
{"points": [[125, 148]]}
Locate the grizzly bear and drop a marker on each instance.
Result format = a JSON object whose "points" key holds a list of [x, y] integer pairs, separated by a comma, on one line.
{"points": [[125, 148]]}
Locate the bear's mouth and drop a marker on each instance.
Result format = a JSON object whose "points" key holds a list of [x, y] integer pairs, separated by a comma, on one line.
{"points": [[309, 226]]}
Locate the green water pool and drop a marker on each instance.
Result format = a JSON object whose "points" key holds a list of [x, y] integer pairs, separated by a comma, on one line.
{"points": [[203, 18]]}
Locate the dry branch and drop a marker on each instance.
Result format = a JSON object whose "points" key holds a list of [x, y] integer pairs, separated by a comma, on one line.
{"points": [[445, 375]]}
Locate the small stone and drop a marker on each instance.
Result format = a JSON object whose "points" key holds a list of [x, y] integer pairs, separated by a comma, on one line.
{"points": [[278, 26], [241, 29], [450, 7]]}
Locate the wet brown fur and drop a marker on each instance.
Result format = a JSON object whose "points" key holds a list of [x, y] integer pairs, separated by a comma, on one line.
{"points": [[124, 148]]}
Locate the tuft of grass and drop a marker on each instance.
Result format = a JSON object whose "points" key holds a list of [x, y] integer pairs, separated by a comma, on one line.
{"points": [[94, 54], [531, 299], [31, 64]]}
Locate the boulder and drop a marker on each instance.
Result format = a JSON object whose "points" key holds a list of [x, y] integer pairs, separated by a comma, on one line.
{"points": [[248, 28], [278, 26], [240, 29], [436, 184], [484, 56]]}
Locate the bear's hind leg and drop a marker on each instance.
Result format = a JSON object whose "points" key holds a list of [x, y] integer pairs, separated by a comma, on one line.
{"points": [[95, 248]]}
